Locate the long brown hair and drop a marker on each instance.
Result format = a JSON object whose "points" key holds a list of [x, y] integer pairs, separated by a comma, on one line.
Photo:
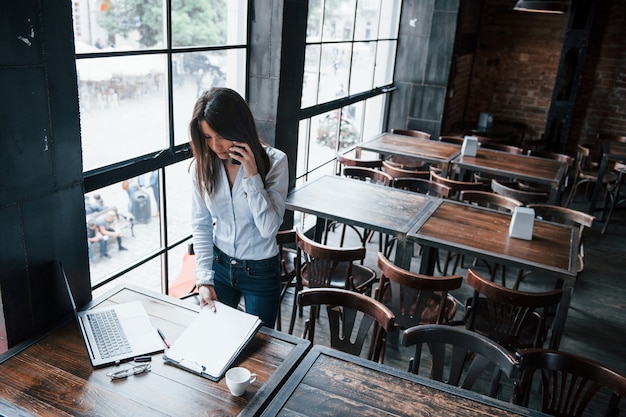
{"points": [[228, 114]]}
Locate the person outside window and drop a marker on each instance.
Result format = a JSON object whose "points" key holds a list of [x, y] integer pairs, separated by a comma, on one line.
{"points": [[94, 236], [107, 224], [238, 202]]}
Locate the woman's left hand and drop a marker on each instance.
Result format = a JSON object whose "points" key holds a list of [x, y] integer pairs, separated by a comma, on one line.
{"points": [[246, 157]]}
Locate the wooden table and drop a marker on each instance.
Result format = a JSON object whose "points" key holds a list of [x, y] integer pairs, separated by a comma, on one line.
{"points": [[611, 151], [333, 383], [359, 203], [53, 376], [518, 167], [432, 151], [484, 233]]}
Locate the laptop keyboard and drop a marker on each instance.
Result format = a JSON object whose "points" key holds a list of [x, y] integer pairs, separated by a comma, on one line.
{"points": [[108, 332]]}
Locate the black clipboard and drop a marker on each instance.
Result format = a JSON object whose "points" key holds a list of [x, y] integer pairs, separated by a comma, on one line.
{"points": [[213, 340]]}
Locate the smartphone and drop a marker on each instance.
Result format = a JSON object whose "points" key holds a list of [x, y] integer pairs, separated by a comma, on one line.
{"points": [[234, 161]]}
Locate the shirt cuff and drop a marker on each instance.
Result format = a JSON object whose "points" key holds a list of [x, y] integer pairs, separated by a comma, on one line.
{"points": [[206, 278]]}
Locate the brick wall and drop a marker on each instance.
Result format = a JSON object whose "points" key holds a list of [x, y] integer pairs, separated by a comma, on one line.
{"points": [[514, 66], [601, 101]]}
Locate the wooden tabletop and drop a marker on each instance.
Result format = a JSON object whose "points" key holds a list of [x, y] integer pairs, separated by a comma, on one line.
{"points": [[329, 382], [519, 167], [432, 151], [375, 207], [485, 233], [54, 376]]}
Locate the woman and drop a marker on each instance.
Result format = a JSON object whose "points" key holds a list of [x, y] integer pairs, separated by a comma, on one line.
{"points": [[239, 191]]}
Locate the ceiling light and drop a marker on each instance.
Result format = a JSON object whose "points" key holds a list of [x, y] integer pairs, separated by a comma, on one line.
{"points": [[541, 6]]}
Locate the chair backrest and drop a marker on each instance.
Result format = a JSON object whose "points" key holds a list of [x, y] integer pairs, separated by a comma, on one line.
{"points": [[569, 384], [409, 132], [515, 319], [416, 298], [346, 161], [422, 186], [502, 147], [490, 200], [561, 157], [286, 240], [348, 328], [325, 266], [567, 216], [368, 174], [526, 196], [458, 140], [456, 186], [396, 171], [459, 356]]}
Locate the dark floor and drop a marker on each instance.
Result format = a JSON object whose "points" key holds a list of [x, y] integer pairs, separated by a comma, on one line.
{"points": [[596, 322]]}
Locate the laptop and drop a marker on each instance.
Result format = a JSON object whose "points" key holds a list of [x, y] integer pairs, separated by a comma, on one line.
{"points": [[115, 334]]}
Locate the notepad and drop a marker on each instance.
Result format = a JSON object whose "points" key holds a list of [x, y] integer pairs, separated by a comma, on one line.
{"points": [[213, 341]]}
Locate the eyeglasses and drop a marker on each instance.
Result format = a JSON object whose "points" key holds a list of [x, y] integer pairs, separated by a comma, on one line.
{"points": [[135, 370]]}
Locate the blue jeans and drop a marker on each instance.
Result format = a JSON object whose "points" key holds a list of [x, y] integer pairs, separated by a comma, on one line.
{"points": [[257, 281]]}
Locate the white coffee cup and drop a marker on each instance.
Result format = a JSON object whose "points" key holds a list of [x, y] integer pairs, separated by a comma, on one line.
{"points": [[238, 379]]}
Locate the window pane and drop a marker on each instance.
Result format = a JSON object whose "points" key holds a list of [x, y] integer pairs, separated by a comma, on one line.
{"points": [[389, 19], [385, 63], [123, 103], [208, 22], [314, 21], [363, 63], [132, 205], [350, 132], [311, 75], [334, 72], [196, 72], [367, 14], [119, 25], [373, 119], [178, 193], [338, 20]]}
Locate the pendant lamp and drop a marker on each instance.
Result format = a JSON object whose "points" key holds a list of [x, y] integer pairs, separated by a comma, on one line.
{"points": [[541, 6]]}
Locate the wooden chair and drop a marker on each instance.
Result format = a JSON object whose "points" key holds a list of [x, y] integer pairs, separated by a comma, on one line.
{"points": [[503, 148], [569, 384], [415, 298], [346, 161], [286, 240], [409, 132], [319, 266], [514, 319], [422, 186], [397, 171], [490, 200], [562, 215], [586, 174], [464, 356], [614, 192], [457, 140], [351, 316], [511, 189], [456, 186]]}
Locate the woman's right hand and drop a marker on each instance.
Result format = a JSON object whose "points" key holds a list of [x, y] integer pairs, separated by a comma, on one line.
{"points": [[207, 296]]}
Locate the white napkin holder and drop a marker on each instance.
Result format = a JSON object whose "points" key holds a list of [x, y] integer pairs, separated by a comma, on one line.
{"points": [[522, 223], [470, 145]]}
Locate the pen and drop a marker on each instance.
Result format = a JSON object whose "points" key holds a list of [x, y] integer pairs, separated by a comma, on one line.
{"points": [[167, 344], [143, 359]]}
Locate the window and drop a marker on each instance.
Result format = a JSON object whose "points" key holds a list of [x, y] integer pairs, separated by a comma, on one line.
{"points": [[349, 63], [141, 64]]}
